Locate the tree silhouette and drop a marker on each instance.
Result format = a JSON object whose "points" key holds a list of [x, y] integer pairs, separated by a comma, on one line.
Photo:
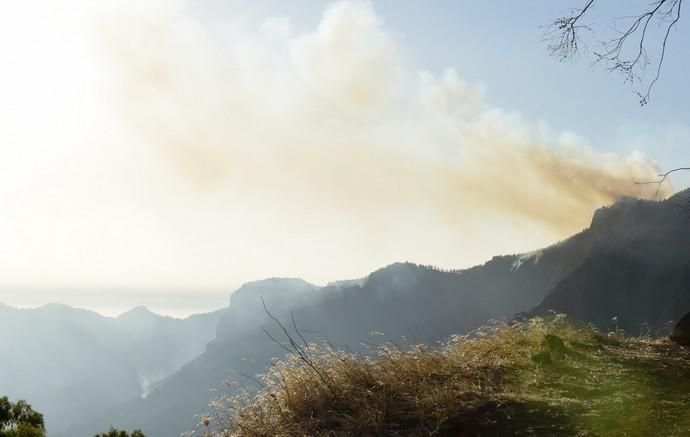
{"points": [[112, 432]]}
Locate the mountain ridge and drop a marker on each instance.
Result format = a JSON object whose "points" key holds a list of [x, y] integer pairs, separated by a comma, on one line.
{"points": [[639, 272], [402, 302]]}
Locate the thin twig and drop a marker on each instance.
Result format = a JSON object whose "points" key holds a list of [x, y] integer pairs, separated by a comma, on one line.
{"points": [[261, 384], [295, 349], [294, 325], [662, 178]]}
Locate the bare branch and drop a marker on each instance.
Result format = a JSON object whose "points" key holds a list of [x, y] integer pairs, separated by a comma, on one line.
{"points": [[645, 98], [628, 52], [295, 348], [294, 325], [662, 178], [282, 346], [563, 33], [256, 380]]}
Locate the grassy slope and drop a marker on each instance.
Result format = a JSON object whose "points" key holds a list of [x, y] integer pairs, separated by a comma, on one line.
{"points": [[536, 378]]}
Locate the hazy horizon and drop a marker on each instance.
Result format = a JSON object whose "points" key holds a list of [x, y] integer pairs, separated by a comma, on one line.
{"points": [[194, 146], [178, 303]]}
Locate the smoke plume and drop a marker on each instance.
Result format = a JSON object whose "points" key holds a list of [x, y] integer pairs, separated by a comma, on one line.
{"points": [[250, 151]]}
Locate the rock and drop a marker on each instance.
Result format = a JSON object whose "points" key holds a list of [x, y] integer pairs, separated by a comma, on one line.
{"points": [[681, 332], [552, 349]]}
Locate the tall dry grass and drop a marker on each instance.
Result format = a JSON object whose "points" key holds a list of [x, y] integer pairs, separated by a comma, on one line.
{"points": [[537, 377]]}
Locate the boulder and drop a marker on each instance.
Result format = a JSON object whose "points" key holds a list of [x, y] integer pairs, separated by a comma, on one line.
{"points": [[681, 332], [553, 349]]}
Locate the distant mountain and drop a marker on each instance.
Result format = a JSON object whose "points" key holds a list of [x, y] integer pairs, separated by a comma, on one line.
{"points": [[637, 271], [71, 363], [171, 406]]}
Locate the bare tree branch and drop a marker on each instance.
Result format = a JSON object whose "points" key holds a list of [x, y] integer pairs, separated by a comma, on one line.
{"points": [[294, 325], [563, 34], [628, 51], [662, 178], [256, 380], [295, 348]]}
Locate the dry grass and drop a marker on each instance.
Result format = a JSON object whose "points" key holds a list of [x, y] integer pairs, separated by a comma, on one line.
{"points": [[540, 378]]}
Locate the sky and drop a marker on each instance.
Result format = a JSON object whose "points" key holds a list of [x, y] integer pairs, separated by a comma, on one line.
{"points": [[183, 147]]}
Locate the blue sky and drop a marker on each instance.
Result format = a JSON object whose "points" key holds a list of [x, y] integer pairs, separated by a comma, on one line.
{"points": [[501, 46]]}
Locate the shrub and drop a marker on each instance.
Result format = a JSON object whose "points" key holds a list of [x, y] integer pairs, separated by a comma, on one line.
{"points": [[112, 432], [18, 419]]}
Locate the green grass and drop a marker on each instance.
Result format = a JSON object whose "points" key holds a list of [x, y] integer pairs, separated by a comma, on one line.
{"points": [[537, 378], [616, 386]]}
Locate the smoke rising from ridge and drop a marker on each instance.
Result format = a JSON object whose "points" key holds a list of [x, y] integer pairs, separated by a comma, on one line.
{"points": [[325, 113]]}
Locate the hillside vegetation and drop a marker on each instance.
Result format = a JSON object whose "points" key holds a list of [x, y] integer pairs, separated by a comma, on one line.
{"points": [[535, 378]]}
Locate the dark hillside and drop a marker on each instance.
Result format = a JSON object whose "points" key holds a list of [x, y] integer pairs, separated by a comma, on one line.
{"points": [[638, 270]]}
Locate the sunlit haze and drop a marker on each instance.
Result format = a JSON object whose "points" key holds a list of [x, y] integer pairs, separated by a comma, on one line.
{"points": [[163, 153]]}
